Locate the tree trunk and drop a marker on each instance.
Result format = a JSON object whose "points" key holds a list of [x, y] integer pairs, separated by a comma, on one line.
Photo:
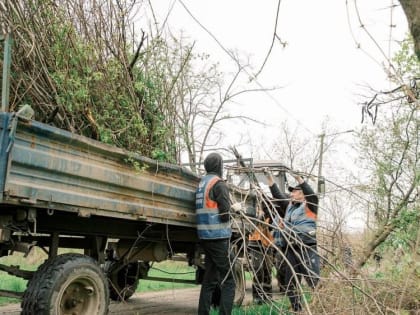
{"points": [[412, 12]]}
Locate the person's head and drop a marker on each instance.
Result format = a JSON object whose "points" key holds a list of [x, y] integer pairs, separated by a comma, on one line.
{"points": [[213, 163], [296, 194]]}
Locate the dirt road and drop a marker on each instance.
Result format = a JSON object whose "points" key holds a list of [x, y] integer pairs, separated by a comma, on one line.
{"points": [[173, 302]]}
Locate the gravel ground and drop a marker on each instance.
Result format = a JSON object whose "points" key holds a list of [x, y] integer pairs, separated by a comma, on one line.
{"points": [[173, 302]]}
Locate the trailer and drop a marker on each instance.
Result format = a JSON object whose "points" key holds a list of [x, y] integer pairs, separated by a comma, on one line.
{"points": [[122, 211], [64, 190]]}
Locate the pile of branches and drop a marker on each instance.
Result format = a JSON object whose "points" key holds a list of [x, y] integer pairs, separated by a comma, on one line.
{"points": [[80, 68], [342, 289]]}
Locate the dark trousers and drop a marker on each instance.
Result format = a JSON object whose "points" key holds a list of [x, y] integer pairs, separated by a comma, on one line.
{"points": [[280, 264], [304, 262], [217, 272], [261, 268]]}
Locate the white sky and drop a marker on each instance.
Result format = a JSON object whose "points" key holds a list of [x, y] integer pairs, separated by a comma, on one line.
{"points": [[321, 71]]}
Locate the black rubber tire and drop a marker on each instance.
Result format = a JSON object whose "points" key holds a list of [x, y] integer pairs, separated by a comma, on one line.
{"points": [[124, 283], [67, 284]]}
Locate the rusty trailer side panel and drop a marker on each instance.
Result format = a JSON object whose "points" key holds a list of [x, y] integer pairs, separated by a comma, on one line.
{"points": [[46, 167]]}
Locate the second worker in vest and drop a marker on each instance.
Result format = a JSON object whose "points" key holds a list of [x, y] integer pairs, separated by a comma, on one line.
{"points": [[296, 236], [214, 231], [260, 252]]}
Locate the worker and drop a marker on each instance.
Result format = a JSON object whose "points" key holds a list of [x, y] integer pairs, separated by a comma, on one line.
{"points": [[259, 247], [296, 235], [214, 231], [263, 254]]}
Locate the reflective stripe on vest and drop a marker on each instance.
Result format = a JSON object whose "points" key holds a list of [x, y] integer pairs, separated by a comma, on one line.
{"points": [[209, 225]]}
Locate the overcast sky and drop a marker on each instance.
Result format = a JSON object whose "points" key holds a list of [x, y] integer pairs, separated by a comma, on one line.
{"points": [[320, 69]]}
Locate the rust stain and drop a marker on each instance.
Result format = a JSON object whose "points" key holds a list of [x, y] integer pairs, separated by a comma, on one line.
{"points": [[33, 142]]}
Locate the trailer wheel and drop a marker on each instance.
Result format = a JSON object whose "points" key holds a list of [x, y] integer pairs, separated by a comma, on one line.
{"points": [[123, 281], [67, 284]]}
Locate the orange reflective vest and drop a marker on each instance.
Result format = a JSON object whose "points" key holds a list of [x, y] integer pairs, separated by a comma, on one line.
{"points": [[262, 234]]}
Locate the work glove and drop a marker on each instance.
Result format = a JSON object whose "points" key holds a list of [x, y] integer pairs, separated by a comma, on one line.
{"points": [[236, 207], [296, 175], [266, 171]]}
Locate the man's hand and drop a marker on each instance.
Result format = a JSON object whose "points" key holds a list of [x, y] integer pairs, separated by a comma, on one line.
{"points": [[236, 207], [297, 177], [267, 173]]}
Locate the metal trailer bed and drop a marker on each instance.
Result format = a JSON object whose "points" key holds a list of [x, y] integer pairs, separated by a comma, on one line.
{"points": [[60, 189], [50, 168]]}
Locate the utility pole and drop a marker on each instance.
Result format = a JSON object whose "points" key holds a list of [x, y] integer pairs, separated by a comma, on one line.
{"points": [[320, 179]]}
